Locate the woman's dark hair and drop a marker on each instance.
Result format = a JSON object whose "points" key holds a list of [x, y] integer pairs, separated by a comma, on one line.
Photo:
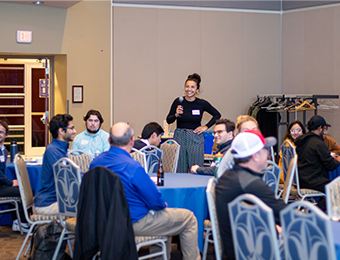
{"points": [[194, 77], [288, 135]]}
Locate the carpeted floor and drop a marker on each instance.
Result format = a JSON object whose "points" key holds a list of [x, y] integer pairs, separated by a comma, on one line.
{"points": [[10, 243]]}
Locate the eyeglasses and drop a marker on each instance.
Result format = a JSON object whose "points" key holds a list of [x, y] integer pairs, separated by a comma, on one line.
{"points": [[69, 127], [219, 132], [295, 130]]}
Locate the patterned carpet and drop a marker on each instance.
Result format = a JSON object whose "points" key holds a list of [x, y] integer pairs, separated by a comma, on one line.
{"points": [[10, 243]]}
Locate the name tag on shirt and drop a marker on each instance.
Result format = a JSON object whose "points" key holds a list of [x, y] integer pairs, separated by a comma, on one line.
{"points": [[195, 112], [2, 158], [84, 142]]}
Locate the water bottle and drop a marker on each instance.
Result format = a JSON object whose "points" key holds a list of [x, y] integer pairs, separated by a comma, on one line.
{"points": [[218, 159], [160, 174], [13, 149]]}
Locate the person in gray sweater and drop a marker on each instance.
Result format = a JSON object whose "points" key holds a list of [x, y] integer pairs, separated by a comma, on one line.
{"points": [[224, 134]]}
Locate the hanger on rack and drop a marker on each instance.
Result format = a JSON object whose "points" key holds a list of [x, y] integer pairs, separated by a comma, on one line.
{"points": [[305, 105], [327, 104], [293, 106]]}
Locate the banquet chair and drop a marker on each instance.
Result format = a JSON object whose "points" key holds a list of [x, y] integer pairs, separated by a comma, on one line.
{"points": [[213, 229], [253, 229], [170, 150], [333, 198], [102, 191], [67, 182], [301, 194], [226, 163], [306, 232], [27, 201], [152, 154], [14, 201], [139, 157], [271, 176], [287, 153], [80, 158]]}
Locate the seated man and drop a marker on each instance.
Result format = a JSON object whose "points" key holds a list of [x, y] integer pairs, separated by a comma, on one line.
{"points": [[151, 135], [250, 156], [314, 158], [93, 140], [9, 188], [149, 214], [63, 132], [332, 146], [224, 134]]}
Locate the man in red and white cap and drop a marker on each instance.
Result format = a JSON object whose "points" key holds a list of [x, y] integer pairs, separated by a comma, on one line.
{"points": [[250, 155]]}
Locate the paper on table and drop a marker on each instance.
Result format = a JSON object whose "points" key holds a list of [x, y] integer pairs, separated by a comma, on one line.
{"points": [[154, 179]]}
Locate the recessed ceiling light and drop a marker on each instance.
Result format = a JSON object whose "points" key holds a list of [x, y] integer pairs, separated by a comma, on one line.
{"points": [[38, 2]]}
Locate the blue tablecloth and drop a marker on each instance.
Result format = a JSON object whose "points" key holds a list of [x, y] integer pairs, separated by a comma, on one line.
{"points": [[34, 173], [187, 191], [335, 173]]}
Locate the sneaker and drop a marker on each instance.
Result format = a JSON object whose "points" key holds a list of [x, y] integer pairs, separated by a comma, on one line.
{"points": [[15, 227]]}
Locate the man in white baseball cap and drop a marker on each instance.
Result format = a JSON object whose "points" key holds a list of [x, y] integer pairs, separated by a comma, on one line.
{"points": [[250, 156]]}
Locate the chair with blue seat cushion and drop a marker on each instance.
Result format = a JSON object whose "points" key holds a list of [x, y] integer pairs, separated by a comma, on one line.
{"points": [[211, 227], [80, 158], [253, 228], [14, 201], [333, 198], [152, 155], [226, 163], [170, 150], [271, 176], [306, 232], [27, 201], [139, 157], [292, 179], [67, 182]]}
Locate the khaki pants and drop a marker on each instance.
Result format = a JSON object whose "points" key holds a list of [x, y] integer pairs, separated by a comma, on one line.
{"points": [[52, 209], [169, 222]]}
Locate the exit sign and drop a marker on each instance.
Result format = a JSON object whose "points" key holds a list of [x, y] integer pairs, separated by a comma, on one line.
{"points": [[24, 36]]}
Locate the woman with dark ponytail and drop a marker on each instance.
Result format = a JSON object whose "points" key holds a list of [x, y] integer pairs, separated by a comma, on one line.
{"points": [[188, 111]]}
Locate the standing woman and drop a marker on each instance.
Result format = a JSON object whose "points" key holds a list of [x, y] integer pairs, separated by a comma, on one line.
{"points": [[188, 112]]}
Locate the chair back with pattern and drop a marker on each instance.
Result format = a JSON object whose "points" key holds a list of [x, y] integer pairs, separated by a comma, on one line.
{"points": [[333, 197], [271, 176], [289, 179], [306, 232], [170, 150], [80, 158], [253, 228], [152, 154], [211, 198], [67, 182], [139, 157], [25, 189], [226, 163], [287, 154]]}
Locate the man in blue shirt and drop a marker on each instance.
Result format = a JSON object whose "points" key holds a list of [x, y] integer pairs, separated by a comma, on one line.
{"points": [[63, 132], [93, 140], [149, 213]]}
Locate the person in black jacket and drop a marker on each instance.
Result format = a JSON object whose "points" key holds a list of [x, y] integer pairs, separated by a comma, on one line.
{"points": [[224, 134], [314, 158], [9, 188], [151, 135], [250, 151], [103, 218]]}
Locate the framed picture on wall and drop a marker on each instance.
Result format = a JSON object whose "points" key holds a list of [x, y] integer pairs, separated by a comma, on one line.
{"points": [[77, 94]]}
